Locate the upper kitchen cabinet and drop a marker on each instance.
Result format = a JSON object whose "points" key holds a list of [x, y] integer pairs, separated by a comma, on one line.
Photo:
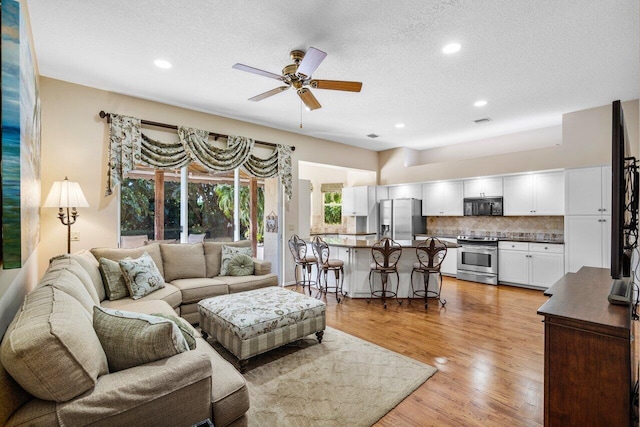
{"points": [[442, 198], [588, 191], [483, 187], [358, 201], [406, 191], [534, 194]]}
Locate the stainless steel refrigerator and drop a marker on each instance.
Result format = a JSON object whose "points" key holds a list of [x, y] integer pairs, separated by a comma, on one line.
{"points": [[401, 219]]}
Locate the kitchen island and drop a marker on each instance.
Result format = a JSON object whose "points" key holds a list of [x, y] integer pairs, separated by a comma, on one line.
{"points": [[356, 255]]}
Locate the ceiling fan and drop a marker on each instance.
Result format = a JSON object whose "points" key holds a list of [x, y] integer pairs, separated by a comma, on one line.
{"points": [[298, 76]]}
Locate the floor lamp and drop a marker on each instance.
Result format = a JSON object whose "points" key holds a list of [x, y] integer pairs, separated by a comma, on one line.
{"points": [[64, 195]]}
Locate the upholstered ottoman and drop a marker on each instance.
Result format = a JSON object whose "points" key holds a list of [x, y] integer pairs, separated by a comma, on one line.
{"points": [[253, 322]]}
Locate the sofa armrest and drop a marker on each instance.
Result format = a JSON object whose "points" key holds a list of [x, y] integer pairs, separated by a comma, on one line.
{"points": [[171, 391], [261, 267]]}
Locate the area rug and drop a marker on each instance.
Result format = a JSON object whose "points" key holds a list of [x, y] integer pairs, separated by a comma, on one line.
{"points": [[345, 381]]}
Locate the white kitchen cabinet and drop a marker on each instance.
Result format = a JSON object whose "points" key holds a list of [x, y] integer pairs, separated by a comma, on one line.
{"points": [[513, 262], [587, 224], [450, 263], [355, 201], [382, 192], [361, 201], [483, 187], [538, 265], [442, 198], [534, 194], [406, 191], [588, 191], [588, 240]]}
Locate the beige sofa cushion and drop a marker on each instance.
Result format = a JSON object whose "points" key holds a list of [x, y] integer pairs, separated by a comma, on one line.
{"points": [[116, 254], [12, 396], [213, 254], [69, 283], [194, 290], [170, 294], [36, 412], [261, 267], [73, 266], [183, 261], [51, 349], [248, 283], [229, 394], [87, 261], [131, 339]]}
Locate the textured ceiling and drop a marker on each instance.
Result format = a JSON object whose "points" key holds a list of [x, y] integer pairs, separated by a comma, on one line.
{"points": [[531, 60]]}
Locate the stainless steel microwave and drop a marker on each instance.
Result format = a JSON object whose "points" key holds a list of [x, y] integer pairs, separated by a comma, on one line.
{"points": [[483, 206]]}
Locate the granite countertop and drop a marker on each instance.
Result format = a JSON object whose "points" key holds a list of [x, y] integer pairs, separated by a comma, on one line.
{"points": [[367, 244], [341, 232], [527, 239]]}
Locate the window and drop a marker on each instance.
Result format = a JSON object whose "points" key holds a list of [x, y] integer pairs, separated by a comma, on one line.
{"points": [[210, 208], [332, 201]]}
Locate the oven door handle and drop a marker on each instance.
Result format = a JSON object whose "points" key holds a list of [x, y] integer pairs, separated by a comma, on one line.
{"points": [[479, 249]]}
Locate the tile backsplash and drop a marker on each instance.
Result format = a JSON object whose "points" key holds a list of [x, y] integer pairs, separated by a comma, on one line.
{"points": [[550, 228]]}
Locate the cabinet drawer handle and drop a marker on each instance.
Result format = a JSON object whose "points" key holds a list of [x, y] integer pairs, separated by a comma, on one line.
{"points": [[545, 248]]}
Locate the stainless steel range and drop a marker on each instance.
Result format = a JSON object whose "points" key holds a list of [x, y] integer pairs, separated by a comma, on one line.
{"points": [[478, 259]]}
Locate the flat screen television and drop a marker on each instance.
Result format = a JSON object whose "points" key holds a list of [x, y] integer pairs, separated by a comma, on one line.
{"points": [[624, 197]]}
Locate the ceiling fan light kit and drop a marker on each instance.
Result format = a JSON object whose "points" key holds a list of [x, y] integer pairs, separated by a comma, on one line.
{"points": [[298, 76]]}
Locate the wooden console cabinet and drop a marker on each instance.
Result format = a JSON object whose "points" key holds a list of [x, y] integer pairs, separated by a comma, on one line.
{"points": [[589, 364]]}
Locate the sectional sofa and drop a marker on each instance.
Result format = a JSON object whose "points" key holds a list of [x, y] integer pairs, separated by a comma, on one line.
{"points": [[57, 370]]}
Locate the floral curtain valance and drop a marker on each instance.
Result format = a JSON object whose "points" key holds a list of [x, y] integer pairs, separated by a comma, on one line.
{"points": [[128, 147]]}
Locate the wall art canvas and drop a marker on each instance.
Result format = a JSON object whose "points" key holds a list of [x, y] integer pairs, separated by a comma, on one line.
{"points": [[20, 140]]}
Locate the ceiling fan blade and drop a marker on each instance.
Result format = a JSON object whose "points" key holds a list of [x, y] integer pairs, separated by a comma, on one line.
{"points": [[269, 93], [336, 85], [311, 61], [248, 69], [309, 100]]}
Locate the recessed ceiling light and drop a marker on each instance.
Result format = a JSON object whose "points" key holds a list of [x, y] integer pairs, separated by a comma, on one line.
{"points": [[161, 63], [451, 48], [400, 125], [480, 103]]}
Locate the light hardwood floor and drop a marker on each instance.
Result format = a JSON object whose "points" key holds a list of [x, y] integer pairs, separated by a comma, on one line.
{"points": [[487, 343]]}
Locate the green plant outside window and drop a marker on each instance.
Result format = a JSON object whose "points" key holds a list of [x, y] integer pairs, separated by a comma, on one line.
{"points": [[332, 207]]}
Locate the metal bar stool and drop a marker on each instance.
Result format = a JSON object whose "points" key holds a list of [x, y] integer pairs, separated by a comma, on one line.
{"points": [[298, 248], [386, 254], [430, 254], [325, 264]]}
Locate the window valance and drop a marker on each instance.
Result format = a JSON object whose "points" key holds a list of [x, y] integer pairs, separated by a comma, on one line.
{"points": [[128, 146]]}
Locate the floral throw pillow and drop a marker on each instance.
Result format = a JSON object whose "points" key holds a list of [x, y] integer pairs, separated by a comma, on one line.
{"points": [[228, 252], [142, 275]]}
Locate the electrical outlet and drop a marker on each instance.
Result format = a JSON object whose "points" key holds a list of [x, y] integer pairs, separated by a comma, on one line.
{"points": [[75, 236]]}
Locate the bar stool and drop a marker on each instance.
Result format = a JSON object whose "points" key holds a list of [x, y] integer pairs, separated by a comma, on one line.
{"points": [[386, 254], [430, 254], [325, 264], [298, 248]]}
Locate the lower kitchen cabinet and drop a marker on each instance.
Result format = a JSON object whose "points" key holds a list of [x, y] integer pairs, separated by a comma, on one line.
{"points": [[531, 264], [588, 239]]}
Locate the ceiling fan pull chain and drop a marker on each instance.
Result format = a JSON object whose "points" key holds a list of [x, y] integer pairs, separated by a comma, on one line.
{"points": [[301, 107]]}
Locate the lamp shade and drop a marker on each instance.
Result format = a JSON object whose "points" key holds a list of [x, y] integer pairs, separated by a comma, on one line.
{"points": [[65, 194]]}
